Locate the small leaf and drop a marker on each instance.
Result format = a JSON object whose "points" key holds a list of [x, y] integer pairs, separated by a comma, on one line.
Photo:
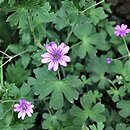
{"points": [[25, 59], [124, 105], [15, 73]]}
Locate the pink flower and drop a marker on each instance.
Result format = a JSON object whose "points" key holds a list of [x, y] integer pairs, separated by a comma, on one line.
{"points": [[121, 30], [23, 108], [55, 55]]}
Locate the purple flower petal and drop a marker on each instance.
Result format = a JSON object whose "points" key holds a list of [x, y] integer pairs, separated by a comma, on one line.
{"points": [[127, 30], [16, 105], [46, 55], [49, 48], [61, 47], [66, 58], [65, 50], [117, 27], [117, 33], [53, 46], [23, 115], [123, 27], [55, 67], [20, 114], [45, 60], [62, 62], [51, 65], [29, 113]]}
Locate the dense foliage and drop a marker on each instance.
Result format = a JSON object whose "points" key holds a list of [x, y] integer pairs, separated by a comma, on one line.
{"points": [[90, 92]]}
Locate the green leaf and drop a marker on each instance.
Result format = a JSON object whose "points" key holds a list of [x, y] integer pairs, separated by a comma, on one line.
{"points": [[61, 20], [100, 126], [15, 73], [98, 74], [69, 7], [82, 30], [122, 126], [1, 1], [11, 91], [11, 2], [117, 94], [94, 112], [26, 124], [120, 69], [15, 48], [124, 105], [24, 90], [53, 121], [71, 128], [97, 111], [82, 3], [42, 15], [26, 38], [17, 18], [85, 32], [25, 59], [95, 17], [46, 83]]}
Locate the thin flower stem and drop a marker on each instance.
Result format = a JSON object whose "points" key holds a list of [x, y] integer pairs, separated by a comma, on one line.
{"points": [[126, 46], [93, 6], [11, 115], [2, 101], [1, 77], [4, 57], [70, 33], [18, 54], [49, 109], [63, 71], [1, 68], [7, 110], [121, 57], [58, 73], [36, 40], [5, 63], [111, 83], [12, 57], [75, 45], [5, 54]]}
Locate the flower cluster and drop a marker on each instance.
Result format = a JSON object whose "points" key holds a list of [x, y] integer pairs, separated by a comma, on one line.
{"points": [[23, 108], [55, 55]]}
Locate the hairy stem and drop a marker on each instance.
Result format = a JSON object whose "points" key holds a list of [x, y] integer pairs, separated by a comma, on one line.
{"points": [[4, 101], [12, 57], [36, 40], [126, 46], [58, 73], [75, 45], [1, 68], [111, 83], [92, 6], [70, 33]]}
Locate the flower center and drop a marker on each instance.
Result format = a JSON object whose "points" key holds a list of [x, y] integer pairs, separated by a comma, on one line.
{"points": [[56, 56], [24, 107]]}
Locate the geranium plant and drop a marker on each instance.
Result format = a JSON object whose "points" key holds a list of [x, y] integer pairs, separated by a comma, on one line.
{"points": [[64, 65]]}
